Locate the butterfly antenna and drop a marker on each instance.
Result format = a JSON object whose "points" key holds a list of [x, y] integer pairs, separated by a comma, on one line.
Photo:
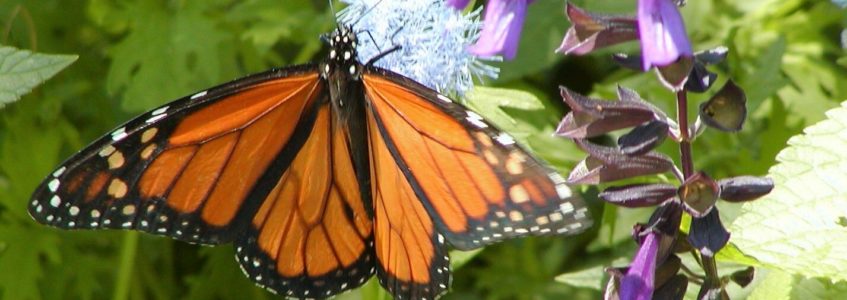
{"points": [[382, 54], [394, 46]]}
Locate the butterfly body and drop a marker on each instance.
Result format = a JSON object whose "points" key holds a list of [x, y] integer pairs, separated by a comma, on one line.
{"points": [[322, 175]]}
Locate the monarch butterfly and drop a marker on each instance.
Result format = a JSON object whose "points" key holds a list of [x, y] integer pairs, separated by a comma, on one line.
{"points": [[322, 175]]}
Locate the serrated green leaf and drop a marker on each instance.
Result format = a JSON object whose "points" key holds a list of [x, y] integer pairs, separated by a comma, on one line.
{"points": [[166, 55], [780, 285], [489, 102], [796, 227], [22, 70]]}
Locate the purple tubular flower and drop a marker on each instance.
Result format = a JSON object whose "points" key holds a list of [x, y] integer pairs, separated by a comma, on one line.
{"points": [[458, 4], [501, 28], [638, 281], [662, 33]]}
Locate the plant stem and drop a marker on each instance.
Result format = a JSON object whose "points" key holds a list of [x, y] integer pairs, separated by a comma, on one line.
{"points": [[687, 162], [685, 143], [125, 268]]}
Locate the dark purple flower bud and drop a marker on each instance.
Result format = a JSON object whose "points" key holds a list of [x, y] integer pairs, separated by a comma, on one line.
{"points": [[589, 32], [643, 138], [726, 110], [698, 194], [593, 117], [638, 195], [665, 221], [666, 218], [662, 33], [743, 277], [605, 164], [712, 56], [458, 4], [638, 281], [701, 79], [625, 94], [707, 234], [673, 289], [744, 188], [501, 28]]}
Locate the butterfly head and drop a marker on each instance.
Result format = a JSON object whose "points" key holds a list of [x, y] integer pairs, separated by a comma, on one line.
{"points": [[342, 54]]}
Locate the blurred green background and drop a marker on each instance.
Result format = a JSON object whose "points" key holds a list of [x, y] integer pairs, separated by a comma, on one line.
{"points": [[135, 55]]}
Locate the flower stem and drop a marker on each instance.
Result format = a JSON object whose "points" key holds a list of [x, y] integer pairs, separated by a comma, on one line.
{"points": [[126, 266], [685, 134], [687, 162]]}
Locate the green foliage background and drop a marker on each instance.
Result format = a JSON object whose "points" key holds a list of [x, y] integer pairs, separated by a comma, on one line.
{"points": [[134, 55]]}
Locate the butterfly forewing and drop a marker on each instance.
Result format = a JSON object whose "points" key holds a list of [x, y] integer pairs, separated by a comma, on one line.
{"points": [[477, 184], [179, 170]]}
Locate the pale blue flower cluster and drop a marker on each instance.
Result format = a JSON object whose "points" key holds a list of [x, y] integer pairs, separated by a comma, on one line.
{"points": [[433, 39]]}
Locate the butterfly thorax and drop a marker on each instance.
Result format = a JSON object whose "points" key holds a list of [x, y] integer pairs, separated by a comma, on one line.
{"points": [[342, 70]]}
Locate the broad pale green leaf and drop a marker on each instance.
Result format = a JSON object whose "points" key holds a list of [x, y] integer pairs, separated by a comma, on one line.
{"points": [[22, 70], [780, 285], [776, 285], [490, 103], [460, 258], [798, 228], [591, 278]]}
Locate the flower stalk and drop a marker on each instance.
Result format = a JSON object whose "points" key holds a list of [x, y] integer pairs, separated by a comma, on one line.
{"points": [[656, 271]]}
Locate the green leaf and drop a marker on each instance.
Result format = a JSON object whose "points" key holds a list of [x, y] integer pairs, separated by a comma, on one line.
{"points": [[166, 54], [797, 227], [22, 70], [780, 285], [460, 258], [592, 278], [488, 101]]}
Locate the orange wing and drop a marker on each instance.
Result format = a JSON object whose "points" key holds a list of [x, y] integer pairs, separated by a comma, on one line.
{"points": [[475, 183], [312, 236], [412, 257], [189, 169]]}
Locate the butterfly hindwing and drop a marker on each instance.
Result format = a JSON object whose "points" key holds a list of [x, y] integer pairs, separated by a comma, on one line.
{"points": [[313, 236], [477, 184], [179, 169]]}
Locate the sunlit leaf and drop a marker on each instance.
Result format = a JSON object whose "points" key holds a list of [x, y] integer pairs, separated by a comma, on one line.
{"points": [[796, 227], [22, 70]]}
